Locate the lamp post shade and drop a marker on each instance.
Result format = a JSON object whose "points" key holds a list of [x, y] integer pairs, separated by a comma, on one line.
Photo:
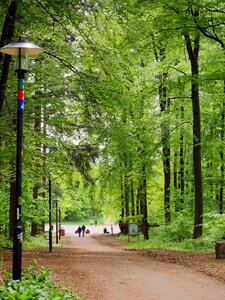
{"points": [[21, 48]]}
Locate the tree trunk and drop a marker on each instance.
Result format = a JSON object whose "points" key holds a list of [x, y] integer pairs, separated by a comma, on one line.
{"points": [[6, 37], [132, 197], [182, 162], [166, 171], [138, 211], [143, 199], [222, 158], [12, 210], [175, 181], [193, 52], [37, 130], [126, 194], [122, 199], [34, 226], [164, 105]]}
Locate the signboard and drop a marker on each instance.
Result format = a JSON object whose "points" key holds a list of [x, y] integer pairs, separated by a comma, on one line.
{"points": [[133, 230]]}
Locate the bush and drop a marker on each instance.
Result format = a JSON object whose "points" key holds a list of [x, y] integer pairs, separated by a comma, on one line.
{"points": [[180, 229], [214, 226], [35, 285]]}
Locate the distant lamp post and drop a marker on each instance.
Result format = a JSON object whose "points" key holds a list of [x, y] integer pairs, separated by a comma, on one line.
{"points": [[50, 210], [22, 50], [60, 223], [56, 200]]}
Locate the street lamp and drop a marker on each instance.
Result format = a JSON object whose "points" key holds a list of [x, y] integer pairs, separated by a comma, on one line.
{"points": [[56, 200], [50, 210], [60, 223], [22, 50]]}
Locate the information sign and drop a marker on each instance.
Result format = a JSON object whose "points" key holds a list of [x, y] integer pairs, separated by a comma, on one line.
{"points": [[133, 230]]}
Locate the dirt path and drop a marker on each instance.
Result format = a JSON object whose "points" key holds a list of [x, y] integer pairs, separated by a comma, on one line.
{"points": [[102, 272], [113, 274]]}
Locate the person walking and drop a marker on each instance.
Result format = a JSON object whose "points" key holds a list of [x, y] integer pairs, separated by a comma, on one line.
{"points": [[83, 230], [79, 229]]}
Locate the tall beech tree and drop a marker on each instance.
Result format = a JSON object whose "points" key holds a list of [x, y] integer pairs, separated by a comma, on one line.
{"points": [[6, 37], [212, 31], [193, 52]]}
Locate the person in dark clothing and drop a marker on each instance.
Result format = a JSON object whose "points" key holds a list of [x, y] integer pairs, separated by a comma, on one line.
{"points": [[79, 229], [83, 230]]}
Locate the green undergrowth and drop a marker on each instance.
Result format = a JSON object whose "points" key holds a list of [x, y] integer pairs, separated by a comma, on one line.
{"points": [[35, 242], [5, 242], [39, 241], [159, 239], [29, 243], [199, 246], [178, 235], [34, 285]]}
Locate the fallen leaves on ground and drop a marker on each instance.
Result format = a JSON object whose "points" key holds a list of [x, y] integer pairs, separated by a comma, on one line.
{"points": [[204, 263], [200, 262]]}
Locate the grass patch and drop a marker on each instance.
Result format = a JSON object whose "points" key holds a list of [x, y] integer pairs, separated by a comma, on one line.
{"points": [[30, 243], [34, 242], [159, 239], [87, 221]]}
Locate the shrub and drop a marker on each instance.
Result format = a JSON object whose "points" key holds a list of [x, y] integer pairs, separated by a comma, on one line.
{"points": [[214, 226], [35, 285], [180, 229]]}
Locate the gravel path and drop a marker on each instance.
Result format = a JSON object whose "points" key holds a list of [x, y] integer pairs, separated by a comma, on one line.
{"points": [[110, 272], [116, 274]]}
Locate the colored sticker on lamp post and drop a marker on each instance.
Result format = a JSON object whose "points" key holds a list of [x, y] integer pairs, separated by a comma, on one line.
{"points": [[20, 95], [20, 105], [21, 84]]}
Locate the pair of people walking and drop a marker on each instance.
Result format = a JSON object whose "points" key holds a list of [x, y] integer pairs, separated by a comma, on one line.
{"points": [[81, 230]]}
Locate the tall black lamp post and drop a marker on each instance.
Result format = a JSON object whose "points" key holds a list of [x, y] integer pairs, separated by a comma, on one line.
{"points": [[56, 200], [60, 222], [21, 49], [50, 210]]}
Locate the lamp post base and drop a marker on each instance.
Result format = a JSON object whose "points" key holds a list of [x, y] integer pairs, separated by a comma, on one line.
{"points": [[17, 252]]}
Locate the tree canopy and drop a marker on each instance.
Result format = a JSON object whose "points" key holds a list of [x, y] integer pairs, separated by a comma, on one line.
{"points": [[125, 108]]}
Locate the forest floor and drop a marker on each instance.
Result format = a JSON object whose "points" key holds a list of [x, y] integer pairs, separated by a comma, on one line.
{"points": [[100, 266]]}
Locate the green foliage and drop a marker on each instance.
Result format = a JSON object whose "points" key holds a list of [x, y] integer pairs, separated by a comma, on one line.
{"points": [[214, 226], [32, 242], [29, 242], [179, 230], [34, 285], [133, 219], [94, 93], [5, 242], [178, 235]]}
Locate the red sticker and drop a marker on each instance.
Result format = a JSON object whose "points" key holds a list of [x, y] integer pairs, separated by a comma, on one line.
{"points": [[20, 94]]}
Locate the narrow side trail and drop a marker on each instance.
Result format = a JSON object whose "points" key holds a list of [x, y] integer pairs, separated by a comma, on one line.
{"points": [[101, 272]]}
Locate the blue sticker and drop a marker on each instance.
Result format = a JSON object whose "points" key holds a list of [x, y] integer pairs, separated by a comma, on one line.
{"points": [[20, 105]]}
